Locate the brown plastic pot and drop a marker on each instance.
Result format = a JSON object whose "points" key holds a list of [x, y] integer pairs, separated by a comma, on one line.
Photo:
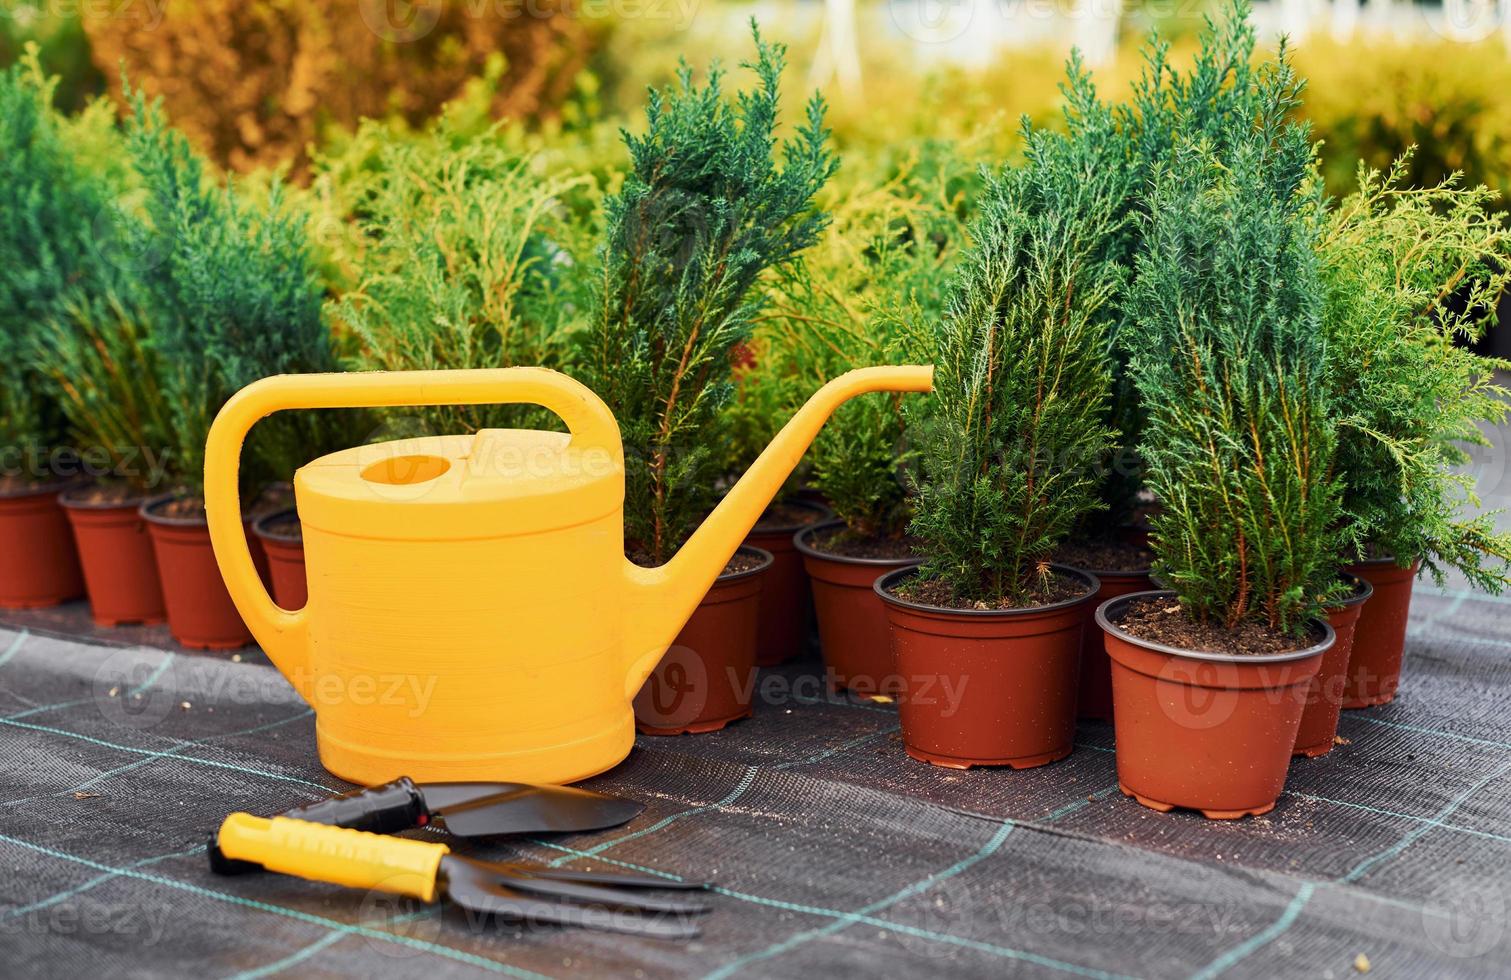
{"points": [[200, 612], [785, 604], [115, 552], [285, 555], [707, 677], [1210, 732], [852, 620], [986, 687], [1324, 699], [1374, 669], [1095, 699], [39, 565]]}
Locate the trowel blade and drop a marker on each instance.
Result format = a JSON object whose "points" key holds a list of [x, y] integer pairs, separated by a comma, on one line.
{"points": [[481, 809]]}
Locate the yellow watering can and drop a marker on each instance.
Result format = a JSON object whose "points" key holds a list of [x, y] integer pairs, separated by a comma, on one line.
{"points": [[471, 613]]}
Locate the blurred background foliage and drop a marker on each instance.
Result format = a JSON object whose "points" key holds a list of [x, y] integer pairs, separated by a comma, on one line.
{"points": [[271, 84]]}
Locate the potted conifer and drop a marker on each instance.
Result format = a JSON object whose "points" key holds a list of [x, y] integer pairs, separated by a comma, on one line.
{"points": [[1210, 679], [704, 212], [871, 289], [232, 297], [986, 633], [1407, 272], [92, 352], [1169, 104], [44, 245]]}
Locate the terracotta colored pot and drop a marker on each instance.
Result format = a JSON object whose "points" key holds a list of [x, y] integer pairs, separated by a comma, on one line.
{"points": [[1095, 700], [39, 565], [200, 612], [1211, 732], [852, 619], [115, 551], [707, 678], [1374, 669], [986, 687], [1324, 699], [285, 553], [785, 604]]}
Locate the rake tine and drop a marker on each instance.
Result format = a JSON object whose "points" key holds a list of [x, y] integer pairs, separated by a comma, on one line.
{"points": [[596, 895], [526, 909], [615, 878]]}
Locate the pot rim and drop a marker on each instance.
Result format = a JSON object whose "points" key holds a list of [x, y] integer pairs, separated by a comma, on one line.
{"points": [[1316, 649], [884, 581], [766, 559], [1360, 596], [263, 532], [1387, 560], [151, 503], [810, 551], [135, 501], [56, 487], [824, 516]]}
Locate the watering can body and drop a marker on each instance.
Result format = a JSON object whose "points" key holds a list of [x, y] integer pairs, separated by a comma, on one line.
{"points": [[471, 613]]}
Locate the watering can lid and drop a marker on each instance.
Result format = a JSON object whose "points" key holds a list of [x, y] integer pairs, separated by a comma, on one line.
{"points": [[496, 482]]}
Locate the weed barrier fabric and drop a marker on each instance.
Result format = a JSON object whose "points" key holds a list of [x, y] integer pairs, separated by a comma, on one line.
{"points": [[835, 854]]}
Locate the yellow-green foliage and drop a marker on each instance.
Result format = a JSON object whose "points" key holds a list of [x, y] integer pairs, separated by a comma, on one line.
{"points": [[871, 286], [1374, 101]]}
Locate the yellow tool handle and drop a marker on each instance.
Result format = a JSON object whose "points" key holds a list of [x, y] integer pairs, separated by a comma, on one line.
{"points": [[333, 854]]}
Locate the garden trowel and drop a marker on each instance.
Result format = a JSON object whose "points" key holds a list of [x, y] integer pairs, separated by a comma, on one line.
{"points": [[463, 809]]}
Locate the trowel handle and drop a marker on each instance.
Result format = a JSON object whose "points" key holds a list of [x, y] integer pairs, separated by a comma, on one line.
{"points": [[342, 857], [282, 633]]}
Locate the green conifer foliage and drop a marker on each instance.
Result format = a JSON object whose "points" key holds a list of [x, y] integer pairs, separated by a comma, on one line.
{"points": [[461, 264], [1229, 359], [1208, 101], [868, 293], [1406, 272], [48, 206], [704, 212], [1021, 386], [232, 298]]}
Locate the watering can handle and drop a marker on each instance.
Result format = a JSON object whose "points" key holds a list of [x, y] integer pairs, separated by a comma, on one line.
{"points": [[282, 633]]}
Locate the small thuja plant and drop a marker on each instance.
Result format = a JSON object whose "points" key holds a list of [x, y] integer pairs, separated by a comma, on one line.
{"points": [[1406, 273], [1021, 383], [84, 342], [232, 297], [1169, 105], [460, 263], [705, 211], [48, 207], [1230, 362], [876, 281]]}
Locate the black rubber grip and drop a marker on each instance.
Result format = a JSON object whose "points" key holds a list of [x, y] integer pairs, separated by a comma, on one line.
{"points": [[385, 809]]}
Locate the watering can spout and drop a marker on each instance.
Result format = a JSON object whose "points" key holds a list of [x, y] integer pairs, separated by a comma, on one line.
{"points": [[661, 599]]}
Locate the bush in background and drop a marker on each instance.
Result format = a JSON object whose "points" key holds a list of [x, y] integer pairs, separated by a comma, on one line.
{"points": [[254, 82]]}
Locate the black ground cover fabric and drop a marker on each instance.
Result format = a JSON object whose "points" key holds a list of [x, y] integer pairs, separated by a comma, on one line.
{"points": [[835, 854]]}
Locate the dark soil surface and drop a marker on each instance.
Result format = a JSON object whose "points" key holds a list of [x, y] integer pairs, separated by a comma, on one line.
{"points": [[285, 526], [1104, 555], [11, 485], [743, 561], [794, 515], [1058, 588], [181, 508], [271, 498], [106, 495], [845, 543], [1163, 621]]}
